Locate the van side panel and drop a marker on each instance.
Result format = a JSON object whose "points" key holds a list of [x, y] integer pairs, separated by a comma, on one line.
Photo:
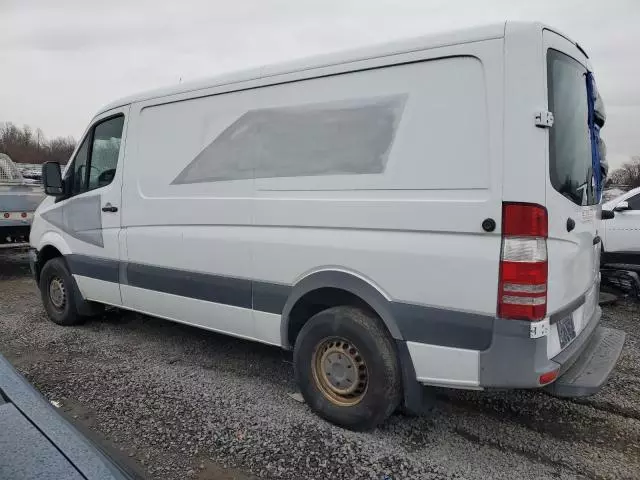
{"points": [[182, 229], [405, 167], [415, 230]]}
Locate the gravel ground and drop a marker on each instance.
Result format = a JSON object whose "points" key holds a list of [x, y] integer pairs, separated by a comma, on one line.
{"points": [[186, 403]]}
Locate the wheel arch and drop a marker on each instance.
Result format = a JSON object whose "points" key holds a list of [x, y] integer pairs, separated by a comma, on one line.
{"points": [[45, 254], [331, 288], [52, 239], [48, 252]]}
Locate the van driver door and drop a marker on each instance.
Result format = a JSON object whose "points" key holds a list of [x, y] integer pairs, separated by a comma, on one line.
{"points": [[88, 214]]}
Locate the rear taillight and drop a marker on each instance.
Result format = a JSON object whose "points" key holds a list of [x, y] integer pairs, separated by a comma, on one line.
{"points": [[548, 377], [522, 291]]}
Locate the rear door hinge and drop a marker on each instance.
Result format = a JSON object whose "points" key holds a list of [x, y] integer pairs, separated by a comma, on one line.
{"points": [[544, 119]]}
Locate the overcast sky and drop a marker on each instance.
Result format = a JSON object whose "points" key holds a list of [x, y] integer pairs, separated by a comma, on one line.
{"points": [[62, 60]]}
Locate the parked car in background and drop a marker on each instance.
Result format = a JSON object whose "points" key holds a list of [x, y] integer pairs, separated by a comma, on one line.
{"points": [[31, 172], [621, 234], [613, 193], [37, 442], [18, 200]]}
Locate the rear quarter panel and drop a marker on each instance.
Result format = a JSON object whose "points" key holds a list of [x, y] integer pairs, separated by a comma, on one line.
{"points": [[415, 230], [526, 161]]}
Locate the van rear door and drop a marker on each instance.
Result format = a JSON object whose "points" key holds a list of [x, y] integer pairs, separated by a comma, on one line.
{"points": [[571, 199]]}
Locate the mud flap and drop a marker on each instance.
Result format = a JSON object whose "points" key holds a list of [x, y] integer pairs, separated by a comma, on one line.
{"points": [[417, 399], [85, 308]]}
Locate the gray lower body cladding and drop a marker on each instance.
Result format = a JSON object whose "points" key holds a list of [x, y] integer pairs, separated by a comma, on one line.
{"points": [[514, 360], [410, 322], [591, 370], [508, 357]]}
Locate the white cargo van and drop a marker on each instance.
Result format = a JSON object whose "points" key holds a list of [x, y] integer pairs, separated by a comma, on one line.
{"points": [[418, 213]]}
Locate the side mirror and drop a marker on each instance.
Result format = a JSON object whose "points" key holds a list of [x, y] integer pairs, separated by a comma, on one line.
{"points": [[52, 179], [622, 206], [607, 214]]}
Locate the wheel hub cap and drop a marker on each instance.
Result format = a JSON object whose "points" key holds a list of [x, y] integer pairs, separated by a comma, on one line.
{"points": [[340, 372], [57, 292]]}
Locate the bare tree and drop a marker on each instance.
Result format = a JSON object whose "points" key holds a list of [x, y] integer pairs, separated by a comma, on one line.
{"points": [[27, 136], [25, 146], [39, 138], [627, 175]]}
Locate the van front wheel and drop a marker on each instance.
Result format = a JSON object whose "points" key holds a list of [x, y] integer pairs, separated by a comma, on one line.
{"points": [[56, 289], [347, 368]]}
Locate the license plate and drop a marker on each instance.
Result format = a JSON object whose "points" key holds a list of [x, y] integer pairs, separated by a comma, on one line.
{"points": [[566, 331]]}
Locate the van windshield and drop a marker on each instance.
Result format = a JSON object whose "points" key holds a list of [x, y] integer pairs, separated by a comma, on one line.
{"points": [[570, 161]]}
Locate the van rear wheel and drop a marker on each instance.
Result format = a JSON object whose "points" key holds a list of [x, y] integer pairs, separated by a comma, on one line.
{"points": [[56, 289], [347, 368]]}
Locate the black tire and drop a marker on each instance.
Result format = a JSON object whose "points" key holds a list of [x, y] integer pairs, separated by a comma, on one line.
{"points": [[370, 340], [67, 313]]}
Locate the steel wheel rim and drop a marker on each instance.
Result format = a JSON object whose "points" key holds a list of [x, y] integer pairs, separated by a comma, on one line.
{"points": [[57, 293], [340, 372]]}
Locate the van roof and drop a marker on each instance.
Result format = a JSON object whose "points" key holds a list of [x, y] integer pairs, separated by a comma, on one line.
{"points": [[332, 59]]}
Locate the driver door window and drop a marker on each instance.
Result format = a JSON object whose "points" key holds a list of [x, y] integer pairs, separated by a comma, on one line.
{"points": [[104, 152], [78, 173], [97, 159]]}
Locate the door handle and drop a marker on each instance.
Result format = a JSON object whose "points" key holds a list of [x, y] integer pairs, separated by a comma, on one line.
{"points": [[109, 208]]}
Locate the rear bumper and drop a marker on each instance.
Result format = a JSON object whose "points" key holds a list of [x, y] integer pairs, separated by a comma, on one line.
{"points": [[512, 359], [516, 361], [592, 367]]}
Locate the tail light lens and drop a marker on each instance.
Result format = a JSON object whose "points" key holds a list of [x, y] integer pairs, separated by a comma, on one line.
{"points": [[522, 289], [548, 377], [524, 220]]}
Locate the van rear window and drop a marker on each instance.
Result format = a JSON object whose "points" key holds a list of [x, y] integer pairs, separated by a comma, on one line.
{"points": [[570, 162]]}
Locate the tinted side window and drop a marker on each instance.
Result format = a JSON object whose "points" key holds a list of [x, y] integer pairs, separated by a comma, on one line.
{"points": [[570, 163], [104, 152], [634, 202], [77, 176]]}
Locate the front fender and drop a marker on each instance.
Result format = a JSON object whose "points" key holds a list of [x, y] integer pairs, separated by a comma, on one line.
{"points": [[49, 238]]}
